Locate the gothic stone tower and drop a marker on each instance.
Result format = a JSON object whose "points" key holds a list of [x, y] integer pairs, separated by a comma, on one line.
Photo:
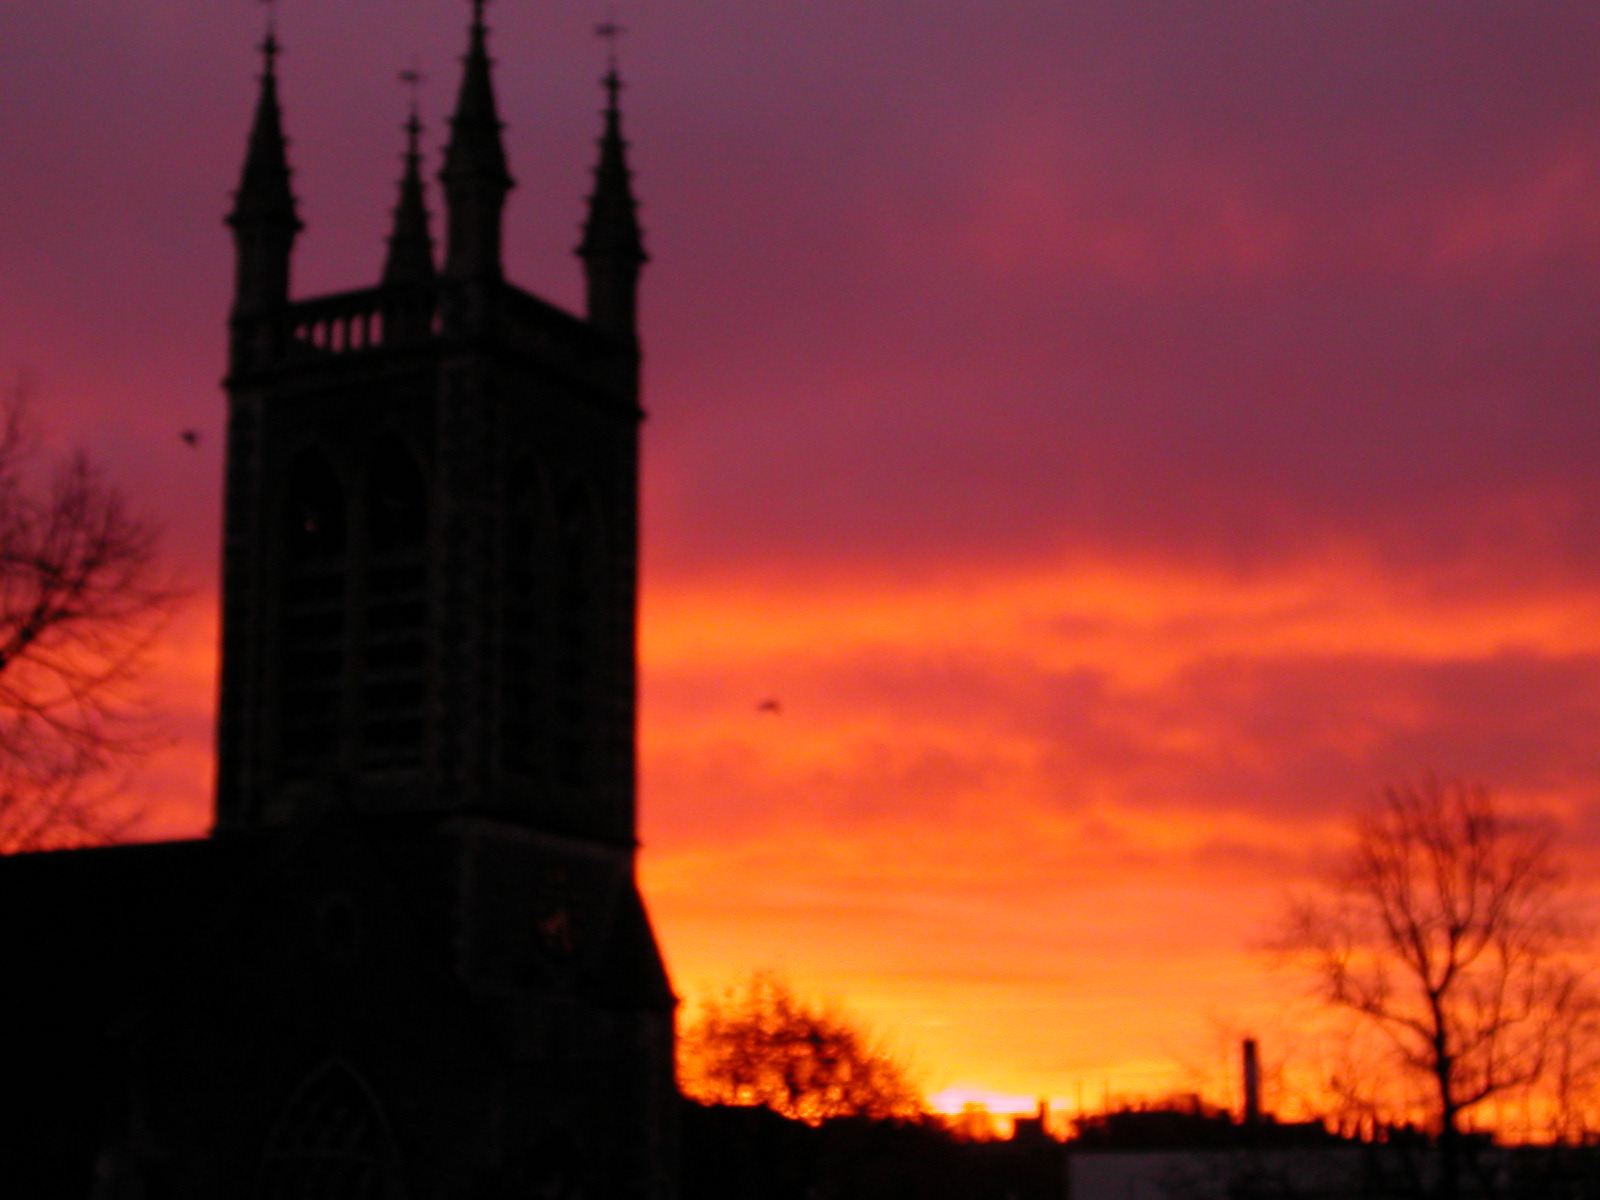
{"points": [[428, 646], [431, 534], [412, 960]]}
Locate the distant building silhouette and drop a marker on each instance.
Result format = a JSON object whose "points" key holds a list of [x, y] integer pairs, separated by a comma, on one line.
{"points": [[412, 960]]}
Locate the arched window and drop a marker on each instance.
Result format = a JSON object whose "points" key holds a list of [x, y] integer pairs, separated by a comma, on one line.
{"points": [[330, 1143]]}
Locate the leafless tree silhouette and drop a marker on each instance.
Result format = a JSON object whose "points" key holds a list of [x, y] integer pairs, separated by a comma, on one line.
{"points": [[1447, 931], [82, 595], [761, 1044]]}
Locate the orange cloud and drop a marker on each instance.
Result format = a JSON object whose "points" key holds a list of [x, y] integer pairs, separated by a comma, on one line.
{"points": [[1139, 622], [1036, 822], [1032, 823]]}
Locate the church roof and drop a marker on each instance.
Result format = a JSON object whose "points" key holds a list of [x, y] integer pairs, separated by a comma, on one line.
{"points": [[107, 933], [99, 929]]}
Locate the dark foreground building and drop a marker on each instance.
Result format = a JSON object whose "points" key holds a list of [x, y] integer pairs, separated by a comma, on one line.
{"points": [[411, 961]]}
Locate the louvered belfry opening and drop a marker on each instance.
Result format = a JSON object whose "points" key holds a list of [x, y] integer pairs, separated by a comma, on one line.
{"points": [[576, 634], [525, 621], [315, 581], [394, 610]]}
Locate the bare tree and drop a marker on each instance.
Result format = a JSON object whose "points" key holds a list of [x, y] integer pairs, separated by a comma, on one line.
{"points": [[1447, 931], [761, 1044], [81, 598]]}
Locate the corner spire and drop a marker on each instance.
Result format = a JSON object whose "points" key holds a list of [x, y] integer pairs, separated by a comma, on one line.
{"points": [[410, 244], [475, 176], [613, 245], [264, 217]]}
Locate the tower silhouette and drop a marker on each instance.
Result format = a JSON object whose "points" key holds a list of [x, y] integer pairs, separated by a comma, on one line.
{"points": [[431, 532], [412, 959]]}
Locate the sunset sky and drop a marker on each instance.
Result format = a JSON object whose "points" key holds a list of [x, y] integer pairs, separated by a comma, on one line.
{"points": [[1120, 435]]}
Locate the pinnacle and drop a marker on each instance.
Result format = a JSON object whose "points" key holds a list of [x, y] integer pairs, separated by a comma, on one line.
{"points": [[410, 244], [475, 147], [613, 225], [264, 191]]}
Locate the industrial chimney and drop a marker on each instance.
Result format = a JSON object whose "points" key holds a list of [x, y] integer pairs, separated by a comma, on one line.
{"points": [[1252, 1083]]}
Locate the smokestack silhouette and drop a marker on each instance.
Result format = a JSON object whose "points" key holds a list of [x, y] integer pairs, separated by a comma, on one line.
{"points": [[1252, 1083]]}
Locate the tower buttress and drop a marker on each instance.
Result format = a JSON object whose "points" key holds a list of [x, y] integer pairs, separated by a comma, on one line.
{"points": [[264, 219], [475, 176], [613, 246]]}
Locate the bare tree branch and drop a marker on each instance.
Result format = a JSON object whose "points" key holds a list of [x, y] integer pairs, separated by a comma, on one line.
{"points": [[1446, 929], [82, 597]]}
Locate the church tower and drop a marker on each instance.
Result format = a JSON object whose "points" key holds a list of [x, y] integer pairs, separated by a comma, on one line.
{"points": [[427, 698], [431, 531], [412, 961]]}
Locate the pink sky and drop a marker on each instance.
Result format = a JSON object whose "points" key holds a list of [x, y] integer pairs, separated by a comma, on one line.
{"points": [[1122, 436]]}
